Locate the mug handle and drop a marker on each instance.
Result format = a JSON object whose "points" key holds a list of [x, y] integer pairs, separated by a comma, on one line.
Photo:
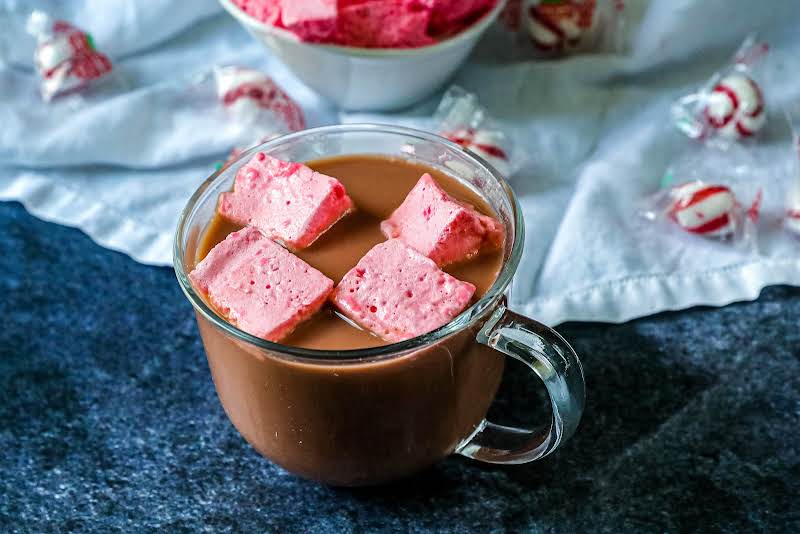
{"points": [[549, 356]]}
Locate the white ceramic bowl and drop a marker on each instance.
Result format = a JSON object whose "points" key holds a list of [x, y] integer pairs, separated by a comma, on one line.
{"points": [[368, 79]]}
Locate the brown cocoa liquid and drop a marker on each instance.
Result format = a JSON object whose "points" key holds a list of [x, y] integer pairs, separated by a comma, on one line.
{"points": [[377, 185]]}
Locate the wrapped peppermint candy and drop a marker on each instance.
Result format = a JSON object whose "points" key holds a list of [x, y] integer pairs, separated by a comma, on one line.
{"points": [[730, 106], [65, 56], [461, 119], [706, 209], [792, 219], [703, 209], [257, 104], [561, 27], [249, 94], [711, 194]]}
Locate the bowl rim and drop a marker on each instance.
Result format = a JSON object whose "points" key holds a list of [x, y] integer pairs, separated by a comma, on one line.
{"points": [[474, 30]]}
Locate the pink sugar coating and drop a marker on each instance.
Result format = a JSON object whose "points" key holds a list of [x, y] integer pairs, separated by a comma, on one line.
{"points": [[289, 202], [294, 11], [369, 23], [267, 11], [441, 227], [259, 286], [449, 15], [311, 20], [384, 25], [397, 293]]}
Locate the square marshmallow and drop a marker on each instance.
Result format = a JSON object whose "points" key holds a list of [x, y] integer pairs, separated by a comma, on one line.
{"points": [[311, 20], [398, 293], [289, 202], [441, 227], [259, 286], [384, 24]]}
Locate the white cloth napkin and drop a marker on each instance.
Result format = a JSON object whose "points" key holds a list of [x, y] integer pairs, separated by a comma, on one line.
{"points": [[595, 129]]}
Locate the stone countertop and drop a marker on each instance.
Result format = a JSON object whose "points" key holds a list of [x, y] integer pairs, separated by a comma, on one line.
{"points": [[109, 420]]}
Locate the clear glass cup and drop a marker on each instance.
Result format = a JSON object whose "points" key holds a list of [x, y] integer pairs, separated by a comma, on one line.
{"points": [[358, 417]]}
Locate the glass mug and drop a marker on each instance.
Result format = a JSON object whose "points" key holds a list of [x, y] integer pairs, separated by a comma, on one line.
{"points": [[358, 417]]}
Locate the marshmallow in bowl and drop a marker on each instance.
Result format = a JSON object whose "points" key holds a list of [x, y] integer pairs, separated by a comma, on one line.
{"points": [[311, 20], [369, 23], [380, 24]]}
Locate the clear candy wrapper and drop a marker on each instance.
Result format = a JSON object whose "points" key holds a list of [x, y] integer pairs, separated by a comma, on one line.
{"points": [[792, 217], [65, 57], [730, 107], [252, 100], [183, 118], [709, 194], [250, 95], [558, 28], [464, 121]]}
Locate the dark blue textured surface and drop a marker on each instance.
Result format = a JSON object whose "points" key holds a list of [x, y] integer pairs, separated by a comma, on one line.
{"points": [[109, 420]]}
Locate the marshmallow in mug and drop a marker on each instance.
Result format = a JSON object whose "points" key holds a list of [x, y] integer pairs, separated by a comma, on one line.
{"points": [[398, 293], [260, 286]]}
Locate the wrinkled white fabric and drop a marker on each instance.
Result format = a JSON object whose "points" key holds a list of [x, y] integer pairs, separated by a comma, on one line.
{"points": [[595, 129]]}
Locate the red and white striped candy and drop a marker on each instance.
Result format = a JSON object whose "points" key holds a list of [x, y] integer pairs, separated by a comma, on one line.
{"points": [[66, 60], [703, 209], [246, 93], [65, 42], [792, 220], [75, 73], [487, 144], [555, 27], [735, 107]]}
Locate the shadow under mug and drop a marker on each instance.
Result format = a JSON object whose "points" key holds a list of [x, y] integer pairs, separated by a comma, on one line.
{"points": [[359, 417]]}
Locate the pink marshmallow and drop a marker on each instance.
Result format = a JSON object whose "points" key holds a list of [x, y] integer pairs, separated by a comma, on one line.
{"points": [[259, 286], [381, 24], [289, 202], [450, 16], [297, 12], [369, 23], [310, 20], [398, 293], [441, 227], [267, 11]]}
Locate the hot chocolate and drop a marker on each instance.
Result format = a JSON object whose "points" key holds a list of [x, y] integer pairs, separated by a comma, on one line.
{"points": [[382, 411], [349, 422], [377, 186]]}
